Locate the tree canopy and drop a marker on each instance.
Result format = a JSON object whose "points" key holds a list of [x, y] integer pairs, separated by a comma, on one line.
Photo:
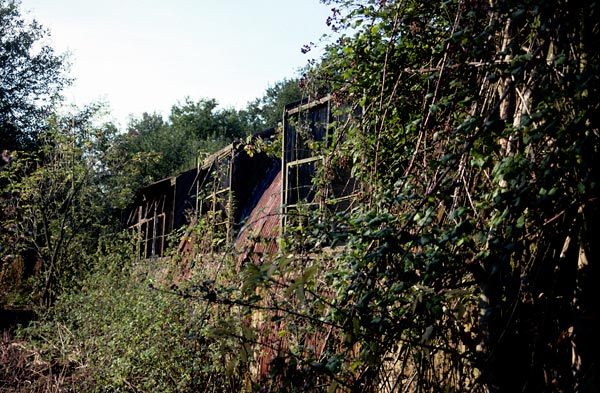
{"points": [[32, 76]]}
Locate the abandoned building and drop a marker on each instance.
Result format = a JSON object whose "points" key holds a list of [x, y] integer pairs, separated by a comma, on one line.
{"points": [[247, 197], [159, 209]]}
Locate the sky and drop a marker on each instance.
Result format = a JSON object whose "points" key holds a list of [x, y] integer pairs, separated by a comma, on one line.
{"points": [[148, 55]]}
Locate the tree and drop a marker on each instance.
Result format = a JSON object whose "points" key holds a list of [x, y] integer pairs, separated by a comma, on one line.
{"points": [[57, 205], [267, 111], [166, 149], [230, 124], [195, 119], [31, 78]]}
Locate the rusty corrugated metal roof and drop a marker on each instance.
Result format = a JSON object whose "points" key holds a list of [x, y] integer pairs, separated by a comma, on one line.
{"points": [[259, 234]]}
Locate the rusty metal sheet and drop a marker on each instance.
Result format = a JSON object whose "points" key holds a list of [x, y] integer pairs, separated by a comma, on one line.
{"points": [[260, 233]]}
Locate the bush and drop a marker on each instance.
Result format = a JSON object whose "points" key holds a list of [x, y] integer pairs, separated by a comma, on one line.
{"points": [[121, 331]]}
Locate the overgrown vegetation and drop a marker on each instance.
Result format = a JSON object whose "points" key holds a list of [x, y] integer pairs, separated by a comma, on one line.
{"points": [[55, 208], [467, 263]]}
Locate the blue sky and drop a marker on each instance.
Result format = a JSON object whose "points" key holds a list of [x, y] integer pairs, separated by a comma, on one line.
{"points": [[145, 56]]}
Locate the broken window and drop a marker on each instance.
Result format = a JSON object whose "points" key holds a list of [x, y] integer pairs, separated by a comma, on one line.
{"points": [[148, 224], [231, 183], [159, 209], [215, 201], [307, 134]]}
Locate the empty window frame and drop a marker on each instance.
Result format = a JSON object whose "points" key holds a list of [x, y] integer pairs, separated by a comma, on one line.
{"points": [[150, 227], [215, 199], [306, 132]]}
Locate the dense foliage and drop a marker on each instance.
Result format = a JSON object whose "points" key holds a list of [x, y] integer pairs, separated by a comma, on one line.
{"points": [[32, 76], [469, 262], [56, 204], [466, 262]]}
